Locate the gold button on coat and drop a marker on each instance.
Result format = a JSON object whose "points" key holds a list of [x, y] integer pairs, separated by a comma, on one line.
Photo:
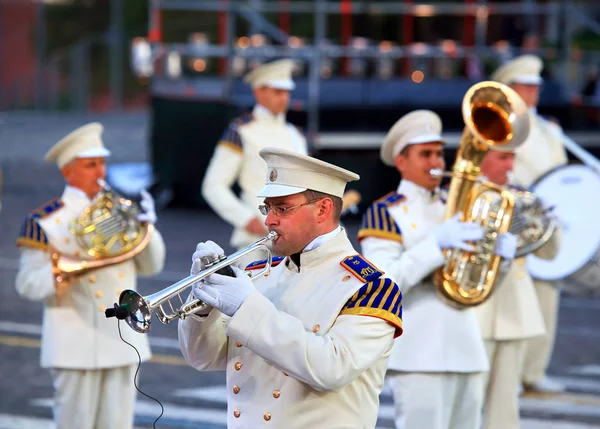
{"points": [[236, 389], [520, 275], [92, 279], [119, 292], [121, 276], [99, 294], [236, 413], [238, 366], [102, 308], [413, 225], [316, 328], [267, 416], [346, 278], [238, 344], [67, 240], [276, 394]]}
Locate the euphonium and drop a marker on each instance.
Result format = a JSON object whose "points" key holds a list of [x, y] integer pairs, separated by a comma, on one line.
{"points": [[139, 308], [495, 117], [109, 233]]}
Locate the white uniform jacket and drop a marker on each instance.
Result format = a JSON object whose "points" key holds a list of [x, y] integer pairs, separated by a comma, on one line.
{"points": [[75, 333], [300, 351], [396, 235], [542, 151], [236, 158]]}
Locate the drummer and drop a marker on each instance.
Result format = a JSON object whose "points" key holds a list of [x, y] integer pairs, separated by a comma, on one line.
{"points": [[542, 151]]}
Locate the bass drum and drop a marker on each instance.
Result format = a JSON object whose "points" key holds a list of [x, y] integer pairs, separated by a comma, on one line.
{"points": [[574, 190]]}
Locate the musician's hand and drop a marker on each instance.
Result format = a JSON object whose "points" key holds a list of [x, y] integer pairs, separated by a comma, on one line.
{"points": [[256, 227], [204, 253], [147, 205], [454, 234], [225, 293], [506, 246]]}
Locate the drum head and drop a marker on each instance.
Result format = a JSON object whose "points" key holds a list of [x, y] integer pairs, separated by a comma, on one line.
{"points": [[574, 190]]}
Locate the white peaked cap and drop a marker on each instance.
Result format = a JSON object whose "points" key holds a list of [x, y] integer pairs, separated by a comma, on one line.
{"points": [[525, 69], [417, 127], [290, 173], [84, 142], [276, 74]]}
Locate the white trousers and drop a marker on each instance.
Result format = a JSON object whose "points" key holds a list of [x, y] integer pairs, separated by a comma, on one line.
{"points": [[437, 400], [538, 350], [501, 404], [94, 399]]}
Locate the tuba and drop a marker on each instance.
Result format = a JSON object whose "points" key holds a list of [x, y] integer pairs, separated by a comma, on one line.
{"points": [[496, 117], [109, 233], [139, 309]]}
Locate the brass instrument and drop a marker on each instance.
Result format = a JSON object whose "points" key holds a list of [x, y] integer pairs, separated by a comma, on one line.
{"points": [[108, 231], [496, 117], [140, 308], [531, 224]]}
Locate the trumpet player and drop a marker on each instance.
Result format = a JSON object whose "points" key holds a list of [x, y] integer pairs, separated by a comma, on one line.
{"points": [[507, 319], [92, 369], [542, 151], [236, 156], [307, 345], [436, 368]]}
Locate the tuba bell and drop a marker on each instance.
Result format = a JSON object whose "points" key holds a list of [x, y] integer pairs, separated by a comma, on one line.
{"points": [[108, 232], [495, 117]]}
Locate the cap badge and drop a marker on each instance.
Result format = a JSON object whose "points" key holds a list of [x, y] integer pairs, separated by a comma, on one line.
{"points": [[273, 175]]}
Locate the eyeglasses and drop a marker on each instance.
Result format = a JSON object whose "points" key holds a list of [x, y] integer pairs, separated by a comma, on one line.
{"points": [[282, 211]]}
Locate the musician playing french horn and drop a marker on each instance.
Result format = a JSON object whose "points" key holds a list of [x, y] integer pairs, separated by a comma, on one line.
{"points": [[510, 316], [435, 371], [307, 345], [542, 152], [92, 369]]}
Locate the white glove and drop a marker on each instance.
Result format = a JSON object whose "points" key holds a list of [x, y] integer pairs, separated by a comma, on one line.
{"points": [[224, 293], [506, 246], [204, 253], [454, 234], [147, 205]]}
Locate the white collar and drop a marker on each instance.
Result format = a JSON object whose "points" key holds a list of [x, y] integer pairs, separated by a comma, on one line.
{"points": [[322, 239], [74, 193], [412, 191], [261, 111]]}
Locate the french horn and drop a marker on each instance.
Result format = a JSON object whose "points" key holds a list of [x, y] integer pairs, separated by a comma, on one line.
{"points": [[495, 117], [108, 232]]}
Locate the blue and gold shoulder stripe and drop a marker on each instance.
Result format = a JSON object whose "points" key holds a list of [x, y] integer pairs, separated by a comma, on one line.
{"points": [[377, 221], [256, 265], [31, 233], [231, 137], [380, 298]]}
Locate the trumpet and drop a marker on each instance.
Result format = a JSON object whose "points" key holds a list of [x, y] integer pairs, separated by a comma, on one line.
{"points": [[140, 308]]}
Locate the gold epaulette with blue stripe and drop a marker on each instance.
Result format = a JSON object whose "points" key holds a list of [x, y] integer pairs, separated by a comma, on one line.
{"points": [[391, 199], [276, 260], [380, 298], [377, 221], [361, 268], [31, 233], [231, 137]]}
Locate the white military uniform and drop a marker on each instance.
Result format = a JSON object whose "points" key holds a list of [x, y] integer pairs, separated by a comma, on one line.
{"points": [[92, 368], [436, 366], [236, 155], [542, 151], [299, 352], [508, 317]]}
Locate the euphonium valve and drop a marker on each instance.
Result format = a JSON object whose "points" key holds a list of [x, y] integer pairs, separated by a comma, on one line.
{"points": [[140, 308], [495, 117]]}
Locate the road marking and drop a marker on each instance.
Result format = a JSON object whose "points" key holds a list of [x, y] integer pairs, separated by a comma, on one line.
{"points": [[12, 341], [31, 329]]}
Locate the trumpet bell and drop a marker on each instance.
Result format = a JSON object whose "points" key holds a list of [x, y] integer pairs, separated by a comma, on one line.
{"points": [[139, 313]]}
